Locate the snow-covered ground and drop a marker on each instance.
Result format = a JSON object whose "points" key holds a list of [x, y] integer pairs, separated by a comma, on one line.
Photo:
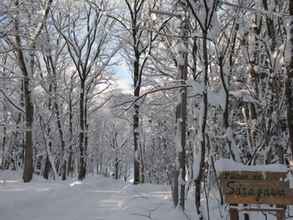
{"points": [[96, 198]]}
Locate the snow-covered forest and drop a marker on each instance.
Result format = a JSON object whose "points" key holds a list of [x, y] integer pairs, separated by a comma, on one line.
{"points": [[142, 92]]}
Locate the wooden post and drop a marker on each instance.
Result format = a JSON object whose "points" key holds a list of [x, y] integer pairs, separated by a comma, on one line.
{"points": [[234, 214], [281, 213]]}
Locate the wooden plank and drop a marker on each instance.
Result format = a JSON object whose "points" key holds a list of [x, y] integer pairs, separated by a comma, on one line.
{"points": [[227, 185], [252, 175], [233, 214], [258, 200], [281, 213], [257, 209]]}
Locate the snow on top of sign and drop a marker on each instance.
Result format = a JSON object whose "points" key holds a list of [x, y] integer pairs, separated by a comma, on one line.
{"points": [[230, 165], [290, 179]]}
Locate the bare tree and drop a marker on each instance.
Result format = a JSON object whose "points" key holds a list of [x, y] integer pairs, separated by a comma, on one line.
{"points": [[207, 7], [87, 50], [26, 62]]}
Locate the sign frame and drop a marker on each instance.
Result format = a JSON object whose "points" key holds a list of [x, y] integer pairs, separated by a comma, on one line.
{"points": [[255, 187]]}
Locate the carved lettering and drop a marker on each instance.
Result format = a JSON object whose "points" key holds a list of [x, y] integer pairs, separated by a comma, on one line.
{"points": [[230, 188]]}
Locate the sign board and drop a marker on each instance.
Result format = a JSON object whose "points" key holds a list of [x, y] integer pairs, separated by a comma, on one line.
{"points": [[252, 187]]}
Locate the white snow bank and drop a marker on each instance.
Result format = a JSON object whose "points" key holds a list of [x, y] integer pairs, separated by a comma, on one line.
{"points": [[230, 165]]}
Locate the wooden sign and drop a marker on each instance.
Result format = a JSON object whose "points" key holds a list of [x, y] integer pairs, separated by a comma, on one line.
{"points": [[246, 187]]}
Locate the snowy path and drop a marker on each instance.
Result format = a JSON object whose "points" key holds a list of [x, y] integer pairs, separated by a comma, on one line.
{"points": [[95, 199]]}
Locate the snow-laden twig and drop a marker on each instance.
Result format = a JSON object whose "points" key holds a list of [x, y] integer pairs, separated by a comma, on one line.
{"points": [[155, 90], [11, 102], [260, 11]]}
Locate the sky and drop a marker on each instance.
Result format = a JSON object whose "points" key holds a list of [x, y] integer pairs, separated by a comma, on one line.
{"points": [[123, 77]]}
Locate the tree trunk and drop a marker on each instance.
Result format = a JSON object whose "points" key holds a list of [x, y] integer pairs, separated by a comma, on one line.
{"points": [[70, 161], [204, 109], [54, 84], [136, 135], [47, 162], [181, 120], [29, 116], [47, 167], [3, 147], [142, 153], [116, 165], [5, 119], [82, 163], [86, 126], [28, 105], [289, 79], [29, 112], [62, 142], [19, 134]]}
